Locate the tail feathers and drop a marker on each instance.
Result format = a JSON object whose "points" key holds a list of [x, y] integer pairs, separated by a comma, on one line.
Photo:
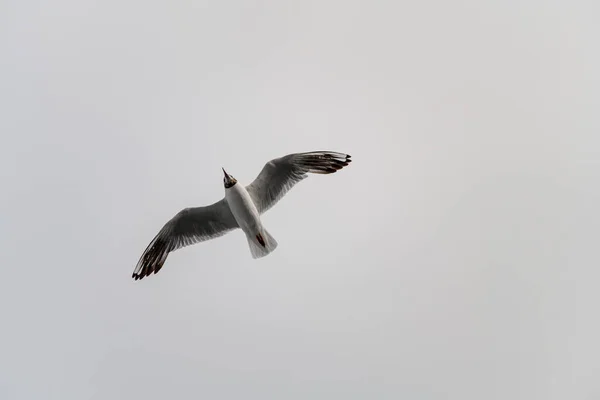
{"points": [[261, 244]]}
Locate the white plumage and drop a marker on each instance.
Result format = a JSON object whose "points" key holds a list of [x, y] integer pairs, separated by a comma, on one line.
{"points": [[241, 208]]}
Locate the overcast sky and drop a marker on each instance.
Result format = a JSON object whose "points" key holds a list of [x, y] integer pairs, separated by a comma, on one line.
{"points": [[455, 258]]}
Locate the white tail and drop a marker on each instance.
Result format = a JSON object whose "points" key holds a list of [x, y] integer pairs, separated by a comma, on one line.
{"points": [[261, 244]]}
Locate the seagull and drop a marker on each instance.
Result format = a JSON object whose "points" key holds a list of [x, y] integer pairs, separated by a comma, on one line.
{"points": [[240, 208]]}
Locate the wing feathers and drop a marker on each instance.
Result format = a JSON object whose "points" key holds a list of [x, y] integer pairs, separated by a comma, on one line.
{"points": [[189, 226], [278, 176]]}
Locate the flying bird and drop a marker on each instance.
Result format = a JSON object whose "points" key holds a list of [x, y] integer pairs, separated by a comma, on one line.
{"points": [[240, 208]]}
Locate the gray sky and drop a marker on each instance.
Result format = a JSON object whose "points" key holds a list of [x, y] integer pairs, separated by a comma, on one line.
{"points": [[454, 259]]}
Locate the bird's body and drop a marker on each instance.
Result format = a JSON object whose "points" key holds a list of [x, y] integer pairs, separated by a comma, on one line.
{"points": [[241, 208], [248, 219]]}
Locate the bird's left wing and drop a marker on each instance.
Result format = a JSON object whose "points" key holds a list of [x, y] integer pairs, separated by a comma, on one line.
{"points": [[189, 226], [278, 176]]}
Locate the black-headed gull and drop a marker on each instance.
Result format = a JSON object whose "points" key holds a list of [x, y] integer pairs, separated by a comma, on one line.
{"points": [[241, 208]]}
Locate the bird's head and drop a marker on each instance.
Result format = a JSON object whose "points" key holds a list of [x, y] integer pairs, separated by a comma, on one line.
{"points": [[228, 180]]}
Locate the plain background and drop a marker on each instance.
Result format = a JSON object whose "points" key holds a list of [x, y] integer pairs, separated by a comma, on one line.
{"points": [[455, 258]]}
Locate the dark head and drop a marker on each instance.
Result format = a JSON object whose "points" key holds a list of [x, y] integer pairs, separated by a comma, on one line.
{"points": [[228, 180]]}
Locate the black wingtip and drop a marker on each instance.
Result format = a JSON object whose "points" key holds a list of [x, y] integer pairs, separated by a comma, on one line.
{"points": [[137, 277]]}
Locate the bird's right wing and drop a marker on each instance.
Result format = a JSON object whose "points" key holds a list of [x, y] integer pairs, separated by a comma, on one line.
{"points": [[278, 176], [189, 226]]}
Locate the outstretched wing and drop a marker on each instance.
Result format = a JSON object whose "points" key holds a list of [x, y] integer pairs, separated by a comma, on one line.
{"points": [[189, 226], [278, 176]]}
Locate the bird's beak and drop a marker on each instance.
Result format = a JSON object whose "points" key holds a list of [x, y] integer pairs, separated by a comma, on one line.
{"points": [[226, 174]]}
